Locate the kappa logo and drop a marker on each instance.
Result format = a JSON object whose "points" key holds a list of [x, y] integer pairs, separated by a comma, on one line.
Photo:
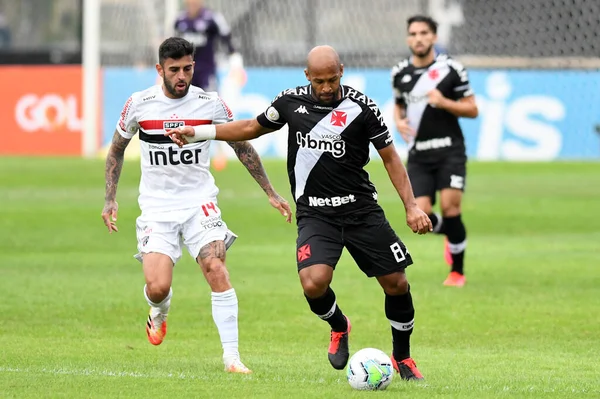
{"points": [[406, 79], [338, 118], [301, 110]]}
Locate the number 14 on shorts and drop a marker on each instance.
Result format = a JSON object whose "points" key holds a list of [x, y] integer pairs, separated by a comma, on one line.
{"points": [[210, 209]]}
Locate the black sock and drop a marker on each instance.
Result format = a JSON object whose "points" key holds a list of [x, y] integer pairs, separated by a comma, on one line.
{"points": [[457, 238], [327, 309], [401, 314], [436, 222]]}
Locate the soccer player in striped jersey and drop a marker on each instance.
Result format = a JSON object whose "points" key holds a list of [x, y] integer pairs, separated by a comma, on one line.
{"points": [[178, 195], [432, 91], [330, 130]]}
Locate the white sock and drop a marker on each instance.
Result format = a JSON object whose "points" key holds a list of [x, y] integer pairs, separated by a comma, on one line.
{"points": [[163, 306], [225, 315]]}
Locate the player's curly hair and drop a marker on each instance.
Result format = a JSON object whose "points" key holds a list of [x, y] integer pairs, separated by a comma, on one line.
{"points": [[175, 48], [423, 18]]}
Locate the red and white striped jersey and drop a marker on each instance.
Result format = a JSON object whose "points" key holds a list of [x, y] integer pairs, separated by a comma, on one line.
{"points": [[172, 178]]}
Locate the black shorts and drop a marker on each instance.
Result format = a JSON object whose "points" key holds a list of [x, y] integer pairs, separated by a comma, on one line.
{"points": [[368, 237], [428, 178]]}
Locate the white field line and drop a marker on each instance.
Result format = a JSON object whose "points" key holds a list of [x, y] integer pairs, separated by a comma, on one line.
{"points": [[158, 375], [276, 378]]}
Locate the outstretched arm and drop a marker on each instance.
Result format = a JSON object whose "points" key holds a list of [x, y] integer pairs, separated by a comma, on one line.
{"points": [[416, 219], [242, 130], [112, 173], [249, 157]]}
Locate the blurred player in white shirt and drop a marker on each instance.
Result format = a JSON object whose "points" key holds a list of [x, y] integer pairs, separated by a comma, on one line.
{"points": [[178, 195]]}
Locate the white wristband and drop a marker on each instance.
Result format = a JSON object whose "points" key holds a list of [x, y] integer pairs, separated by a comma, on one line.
{"points": [[203, 132]]}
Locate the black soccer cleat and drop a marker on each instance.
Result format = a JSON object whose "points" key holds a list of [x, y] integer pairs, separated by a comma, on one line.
{"points": [[338, 352], [407, 369]]}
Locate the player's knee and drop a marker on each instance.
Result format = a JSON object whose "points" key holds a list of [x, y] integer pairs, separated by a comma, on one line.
{"points": [[394, 284], [312, 290], [450, 210], [450, 203], [157, 290], [214, 267], [313, 283]]}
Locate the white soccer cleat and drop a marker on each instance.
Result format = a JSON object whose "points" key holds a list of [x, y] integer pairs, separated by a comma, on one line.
{"points": [[235, 365], [156, 326]]}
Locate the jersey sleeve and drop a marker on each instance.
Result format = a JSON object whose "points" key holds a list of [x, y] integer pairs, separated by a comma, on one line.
{"points": [[128, 125], [462, 86], [398, 99], [222, 112], [273, 117], [379, 134]]}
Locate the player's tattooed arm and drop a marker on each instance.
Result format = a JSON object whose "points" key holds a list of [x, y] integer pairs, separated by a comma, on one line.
{"points": [[114, 165], [250, 159]]}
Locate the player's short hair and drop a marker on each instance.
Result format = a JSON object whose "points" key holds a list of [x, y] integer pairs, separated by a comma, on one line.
{"points": [[423, 18], [175, 48]]}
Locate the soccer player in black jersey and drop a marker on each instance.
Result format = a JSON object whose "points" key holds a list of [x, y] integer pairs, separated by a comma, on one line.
{"points": [[330, 129], [432, 91]]}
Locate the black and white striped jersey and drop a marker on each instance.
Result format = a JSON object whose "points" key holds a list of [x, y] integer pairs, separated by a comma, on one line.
{"points": [[328, 147], [438, 131]]}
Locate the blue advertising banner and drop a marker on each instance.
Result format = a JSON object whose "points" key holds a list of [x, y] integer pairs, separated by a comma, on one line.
{"points": [[529, 115]]}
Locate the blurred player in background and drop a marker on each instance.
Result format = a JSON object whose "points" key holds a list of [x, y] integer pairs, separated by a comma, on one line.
{"points": [[432, 91], [206, 29], [331, 127], [178, 195]]}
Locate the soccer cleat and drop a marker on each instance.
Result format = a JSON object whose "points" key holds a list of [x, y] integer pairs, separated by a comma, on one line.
{"points": [[235, 365], [455, 279], [338, 352], [407, 369], [447, 253], [156, 327]]}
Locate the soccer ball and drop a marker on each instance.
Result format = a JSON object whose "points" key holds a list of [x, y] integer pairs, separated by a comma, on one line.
{"points": [[370, 369]]}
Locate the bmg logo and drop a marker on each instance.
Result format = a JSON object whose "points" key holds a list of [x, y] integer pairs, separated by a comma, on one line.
{"points": [[337, 148]]}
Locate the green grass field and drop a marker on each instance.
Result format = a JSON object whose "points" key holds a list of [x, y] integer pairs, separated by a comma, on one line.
{"points": [[72, 312]]}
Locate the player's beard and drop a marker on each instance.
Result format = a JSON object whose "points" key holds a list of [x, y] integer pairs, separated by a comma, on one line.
{"points": [[173, 90], [422, 53], [329, 100]]}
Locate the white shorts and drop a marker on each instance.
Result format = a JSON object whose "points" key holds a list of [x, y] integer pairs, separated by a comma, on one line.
{"points": [[166, 232]]}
